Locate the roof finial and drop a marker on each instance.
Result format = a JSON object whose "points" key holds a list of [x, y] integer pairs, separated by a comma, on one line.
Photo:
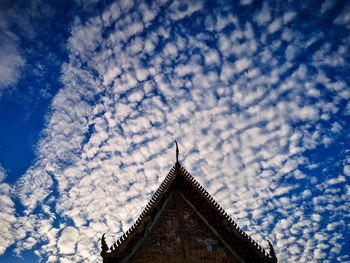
{"points": [[177, 154], [272, 251], [103, 245]]}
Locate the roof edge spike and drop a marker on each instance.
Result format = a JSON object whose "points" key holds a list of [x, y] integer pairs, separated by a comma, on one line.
{"points": [[104, 245], [272, 251]]}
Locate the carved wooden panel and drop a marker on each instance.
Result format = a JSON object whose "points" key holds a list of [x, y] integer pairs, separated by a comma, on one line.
{"points": [[204, 245], [165, 244]]}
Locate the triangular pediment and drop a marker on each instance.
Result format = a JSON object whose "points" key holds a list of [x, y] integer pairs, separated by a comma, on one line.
{"points": [[180, 235], [183, 223]]}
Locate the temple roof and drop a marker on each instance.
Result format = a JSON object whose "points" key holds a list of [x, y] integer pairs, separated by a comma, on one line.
{"points": [[180, 188]]}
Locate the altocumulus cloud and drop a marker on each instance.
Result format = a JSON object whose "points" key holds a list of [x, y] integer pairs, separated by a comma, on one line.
{"points": [[7, 211], [247, 94]]}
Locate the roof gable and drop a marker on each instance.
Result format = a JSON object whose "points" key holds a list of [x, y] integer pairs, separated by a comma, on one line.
{"points": [[181, 189]]}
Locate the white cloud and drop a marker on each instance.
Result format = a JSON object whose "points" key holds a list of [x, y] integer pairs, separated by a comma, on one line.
{"points": [[111, 75], [147, 13], [11, 60], [289, 16], [135, 46], [141, 74], [264, 15], [346, 170], [344, 17], [87, 5], [67, 241], [170, 50], [149, 46], [33, 194], [242, 64], [275, 25], [332, 226], [246, 2], [111, 14], [227, 72], [287, 34], [291, 51], [326, 5], [179, 9], [7, 214], [212, 57]]}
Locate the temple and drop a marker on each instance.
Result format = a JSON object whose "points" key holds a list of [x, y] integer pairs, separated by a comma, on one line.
{"points": [[183, 223]]}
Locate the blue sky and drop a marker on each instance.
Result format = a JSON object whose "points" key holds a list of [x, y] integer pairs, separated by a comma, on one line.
{"points": [[93, 94]]}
